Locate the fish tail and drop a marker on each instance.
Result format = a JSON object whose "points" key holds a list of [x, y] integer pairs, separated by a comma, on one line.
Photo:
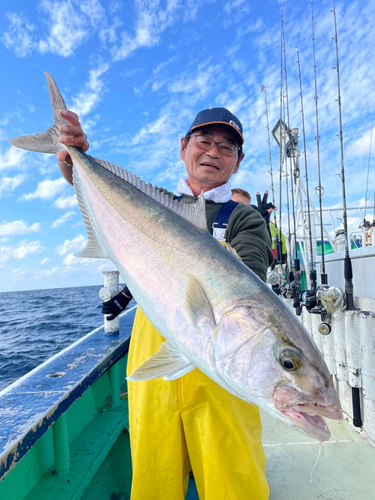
{"points": [[48, 141]]}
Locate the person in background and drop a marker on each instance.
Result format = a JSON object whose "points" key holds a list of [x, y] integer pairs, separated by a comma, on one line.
{"points": [[192, 423], [265, 209], [241, 196], [274, 230]]}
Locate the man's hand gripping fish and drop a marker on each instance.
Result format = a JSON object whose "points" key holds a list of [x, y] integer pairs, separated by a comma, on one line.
{"points": [[215, 313]]}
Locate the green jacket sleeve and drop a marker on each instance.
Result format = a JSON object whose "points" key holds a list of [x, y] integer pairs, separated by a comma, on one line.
{"points": [[247, 234]]}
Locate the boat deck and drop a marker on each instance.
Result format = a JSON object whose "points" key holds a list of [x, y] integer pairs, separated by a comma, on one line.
{"points": [[298, 468]]}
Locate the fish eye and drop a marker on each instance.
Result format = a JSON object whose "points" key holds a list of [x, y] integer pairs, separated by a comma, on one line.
{"points": [[289, 360]]}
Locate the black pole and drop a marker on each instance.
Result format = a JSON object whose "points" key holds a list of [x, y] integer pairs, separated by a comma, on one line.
{"points": [[357, 419]]}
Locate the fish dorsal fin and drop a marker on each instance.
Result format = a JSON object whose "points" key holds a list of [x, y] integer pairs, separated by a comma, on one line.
{"points": [[168, 363], [193, 212], [93, 249]]}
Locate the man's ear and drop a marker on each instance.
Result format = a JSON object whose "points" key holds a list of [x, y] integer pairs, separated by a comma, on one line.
{"points": [[182, 149], [238, 163]]}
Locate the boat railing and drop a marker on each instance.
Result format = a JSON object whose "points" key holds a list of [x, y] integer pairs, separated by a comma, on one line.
{"points": [[40, 400]]}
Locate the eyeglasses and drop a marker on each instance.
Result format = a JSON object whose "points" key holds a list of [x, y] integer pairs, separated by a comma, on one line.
{"points": [[206, 143]]}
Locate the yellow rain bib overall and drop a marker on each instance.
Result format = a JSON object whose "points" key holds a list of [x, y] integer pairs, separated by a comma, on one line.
{"points": [[190, 423]]}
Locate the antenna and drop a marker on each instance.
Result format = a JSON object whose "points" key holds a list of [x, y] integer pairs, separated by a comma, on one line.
{"points": [[319, 189]]}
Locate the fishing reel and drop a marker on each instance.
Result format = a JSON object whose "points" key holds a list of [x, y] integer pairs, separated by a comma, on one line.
{"points": [[325, 300], [273, 277], [292, 290]]}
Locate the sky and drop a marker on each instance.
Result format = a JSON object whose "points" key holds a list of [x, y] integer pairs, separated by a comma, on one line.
{"points": [[138, 71]]}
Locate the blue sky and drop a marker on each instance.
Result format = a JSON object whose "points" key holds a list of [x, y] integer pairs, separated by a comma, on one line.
{"points": [[137, 72]]}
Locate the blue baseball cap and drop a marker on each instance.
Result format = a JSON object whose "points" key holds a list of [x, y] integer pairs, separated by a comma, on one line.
{"points": [[221, 117]]}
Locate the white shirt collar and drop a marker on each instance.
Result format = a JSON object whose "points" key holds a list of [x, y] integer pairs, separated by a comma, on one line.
{"points": [[220, 194]]}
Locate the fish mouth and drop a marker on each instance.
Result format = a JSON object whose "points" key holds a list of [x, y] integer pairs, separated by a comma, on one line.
{"points": [[308, 415], [306, 418]]}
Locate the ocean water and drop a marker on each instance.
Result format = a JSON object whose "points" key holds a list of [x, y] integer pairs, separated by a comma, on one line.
{"points": [[35, 325]]}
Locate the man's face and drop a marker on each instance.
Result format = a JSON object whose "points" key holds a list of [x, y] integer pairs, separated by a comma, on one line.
{"points": [[209, 169]]}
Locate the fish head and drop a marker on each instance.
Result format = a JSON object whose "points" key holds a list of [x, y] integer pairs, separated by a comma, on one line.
{"points": [[272, 361]]}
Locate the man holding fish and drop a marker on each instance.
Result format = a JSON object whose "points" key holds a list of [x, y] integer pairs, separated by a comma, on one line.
{"points": [[227, 340], [192, 422]]}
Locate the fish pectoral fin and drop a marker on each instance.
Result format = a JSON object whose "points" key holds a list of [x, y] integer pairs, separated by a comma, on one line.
{"points": [[198, 305], [167, 363]]}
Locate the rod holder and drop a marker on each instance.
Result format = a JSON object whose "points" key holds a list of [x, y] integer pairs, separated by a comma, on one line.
{"points": [[110, 289]]}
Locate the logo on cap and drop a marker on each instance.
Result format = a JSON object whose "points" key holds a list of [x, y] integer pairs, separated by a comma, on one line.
{"points": [[234, 124]]}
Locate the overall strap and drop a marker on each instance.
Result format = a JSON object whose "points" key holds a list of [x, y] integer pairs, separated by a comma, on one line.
{"points": [[222, 218], [221, 222]]}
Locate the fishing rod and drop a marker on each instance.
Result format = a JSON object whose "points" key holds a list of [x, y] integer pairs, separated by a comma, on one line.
{"points": [[319, 300], [288, 151], [285, 102], [319, 189], [282, 139], [312, 266], [366, 225], [277, 242], [348, 272], [294, 281], [368, 167]]}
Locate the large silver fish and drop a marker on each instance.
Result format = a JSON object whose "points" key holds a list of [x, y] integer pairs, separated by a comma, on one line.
{"points": [[215, 313]]}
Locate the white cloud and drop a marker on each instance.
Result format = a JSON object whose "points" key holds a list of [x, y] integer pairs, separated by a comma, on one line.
{"points": [[157, 127], [198, 82], [151, 20], [72, 245], [68, 28], [19, 251], [69, 24], [66, 202], [19, 36], [363, 145], [18, 227], [19, 274], [235, 11], [86, 100], [13, 157], [46, 189], [62, 220], [44, 261], [10, 183]]}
